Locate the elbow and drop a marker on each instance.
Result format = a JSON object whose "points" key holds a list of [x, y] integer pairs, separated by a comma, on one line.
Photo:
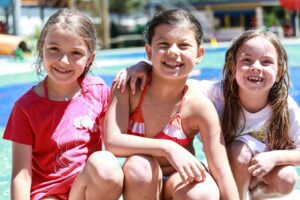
{"points": [[109, 147], [108, 143]]}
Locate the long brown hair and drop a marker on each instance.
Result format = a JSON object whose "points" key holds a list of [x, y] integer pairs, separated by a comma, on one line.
{"points": [[278, 126]]}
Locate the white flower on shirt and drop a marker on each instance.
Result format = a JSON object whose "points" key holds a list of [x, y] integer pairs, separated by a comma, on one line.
{"points": [[82, 122]]}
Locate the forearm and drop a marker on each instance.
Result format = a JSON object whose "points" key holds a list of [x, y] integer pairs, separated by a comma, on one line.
{"points": [[221, 172], [124, 145], [285, 157], [225, 182], [228, 189]]}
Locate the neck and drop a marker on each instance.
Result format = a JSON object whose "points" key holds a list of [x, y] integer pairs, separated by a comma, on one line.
{"points": [[253, 102], [166, 89], [61, 92]]}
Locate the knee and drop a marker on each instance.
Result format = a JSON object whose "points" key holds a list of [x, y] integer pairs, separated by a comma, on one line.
{"points": [[103, 167], [194, 194], [141, 169], [287, 180], [239, 153], [207, 190]]}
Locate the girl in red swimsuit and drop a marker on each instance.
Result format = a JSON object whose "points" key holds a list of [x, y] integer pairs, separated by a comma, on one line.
{"points": [[154, 128]]}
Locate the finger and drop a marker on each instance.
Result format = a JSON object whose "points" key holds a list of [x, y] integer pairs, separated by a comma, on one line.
{"points": [[252, 168], [133, 84], [189, 174], [199, 172], [123, 85], [183, 175], [143, 83], [256, 172]]}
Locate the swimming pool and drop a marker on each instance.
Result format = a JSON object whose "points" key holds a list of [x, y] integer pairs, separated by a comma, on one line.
{"points": [[18, 77]]}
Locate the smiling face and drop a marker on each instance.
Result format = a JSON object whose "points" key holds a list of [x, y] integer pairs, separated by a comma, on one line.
{"points": [[65, 55], [256, 66], [174, 50]]}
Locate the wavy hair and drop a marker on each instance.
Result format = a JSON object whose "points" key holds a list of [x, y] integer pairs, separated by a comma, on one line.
{"points": [[278, 126]]}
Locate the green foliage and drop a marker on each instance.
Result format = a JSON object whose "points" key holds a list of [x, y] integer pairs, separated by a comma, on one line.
{"points": [[273, 16], [124, 6]]}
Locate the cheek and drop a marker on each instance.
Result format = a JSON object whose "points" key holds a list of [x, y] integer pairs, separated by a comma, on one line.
{"points": [[83, 62]]}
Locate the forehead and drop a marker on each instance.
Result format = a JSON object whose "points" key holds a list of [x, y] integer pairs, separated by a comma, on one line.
{"points": [[58, 34], [180, 30], [258, 45]]}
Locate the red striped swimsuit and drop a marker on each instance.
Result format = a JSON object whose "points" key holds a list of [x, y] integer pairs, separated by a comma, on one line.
{"points": [[172, 131]]}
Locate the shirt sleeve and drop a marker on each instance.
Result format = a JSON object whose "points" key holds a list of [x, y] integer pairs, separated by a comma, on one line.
{"points": [[18, 128]]}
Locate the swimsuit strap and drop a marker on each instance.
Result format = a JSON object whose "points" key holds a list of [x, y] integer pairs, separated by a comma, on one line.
{"points": [[181, 102], [144, 91]]}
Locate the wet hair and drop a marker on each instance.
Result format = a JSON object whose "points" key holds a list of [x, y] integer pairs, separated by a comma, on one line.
{"points": [[278, 126], [71, 20], [173, 17]]}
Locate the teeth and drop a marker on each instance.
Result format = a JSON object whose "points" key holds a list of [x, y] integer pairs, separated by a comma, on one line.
{"points": [[61, 70], [256, 79], [173, 64]]}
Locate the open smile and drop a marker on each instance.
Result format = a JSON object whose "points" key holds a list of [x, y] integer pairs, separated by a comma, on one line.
{"points": [[61, 70], [255, 79], [172, 65]]}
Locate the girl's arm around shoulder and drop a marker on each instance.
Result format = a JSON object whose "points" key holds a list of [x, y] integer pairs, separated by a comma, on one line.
{"points": [[206, 121], [21, 171]]}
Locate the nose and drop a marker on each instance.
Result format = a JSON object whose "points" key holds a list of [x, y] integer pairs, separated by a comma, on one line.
{"points": [[173, 50], [64, 59], [256, 66]]}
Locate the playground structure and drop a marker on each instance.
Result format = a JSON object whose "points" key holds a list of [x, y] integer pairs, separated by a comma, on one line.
{"points": [[13, 45]]}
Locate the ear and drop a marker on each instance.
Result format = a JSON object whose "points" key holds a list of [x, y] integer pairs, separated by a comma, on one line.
{"points": [[200, 53], [148, 51], [90, 59]]}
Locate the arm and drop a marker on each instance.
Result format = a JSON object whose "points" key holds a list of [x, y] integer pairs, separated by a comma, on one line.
{"points": [[21, 171], [133, 73], [262, 163], [125, 145], [214, 147]]}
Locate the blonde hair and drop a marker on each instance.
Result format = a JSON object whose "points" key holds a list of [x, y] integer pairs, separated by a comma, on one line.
{"points": [[278, 126]]}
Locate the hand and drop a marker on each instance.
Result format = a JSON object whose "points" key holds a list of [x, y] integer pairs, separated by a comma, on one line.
{"points": [[261, 164], [185, 163], [133, 73]]}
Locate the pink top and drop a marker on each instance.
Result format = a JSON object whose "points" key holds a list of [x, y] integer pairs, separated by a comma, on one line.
{"points": [[62, 134], [172, 131]]}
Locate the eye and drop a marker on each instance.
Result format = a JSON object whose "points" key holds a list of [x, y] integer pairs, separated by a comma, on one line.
{"points": [[246, 60], [53, 49], [184, 45], [267, 62], [163, 44], [77, 53]]}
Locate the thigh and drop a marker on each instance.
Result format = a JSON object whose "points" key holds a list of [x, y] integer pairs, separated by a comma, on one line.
{"points": [[176, 189]]}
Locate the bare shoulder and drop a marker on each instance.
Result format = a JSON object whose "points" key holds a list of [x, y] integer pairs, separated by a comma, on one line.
{"points": [[199, 113], [198, 102]]}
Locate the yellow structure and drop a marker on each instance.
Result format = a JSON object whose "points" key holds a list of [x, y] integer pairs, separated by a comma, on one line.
{"points": [[9, 43]]}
